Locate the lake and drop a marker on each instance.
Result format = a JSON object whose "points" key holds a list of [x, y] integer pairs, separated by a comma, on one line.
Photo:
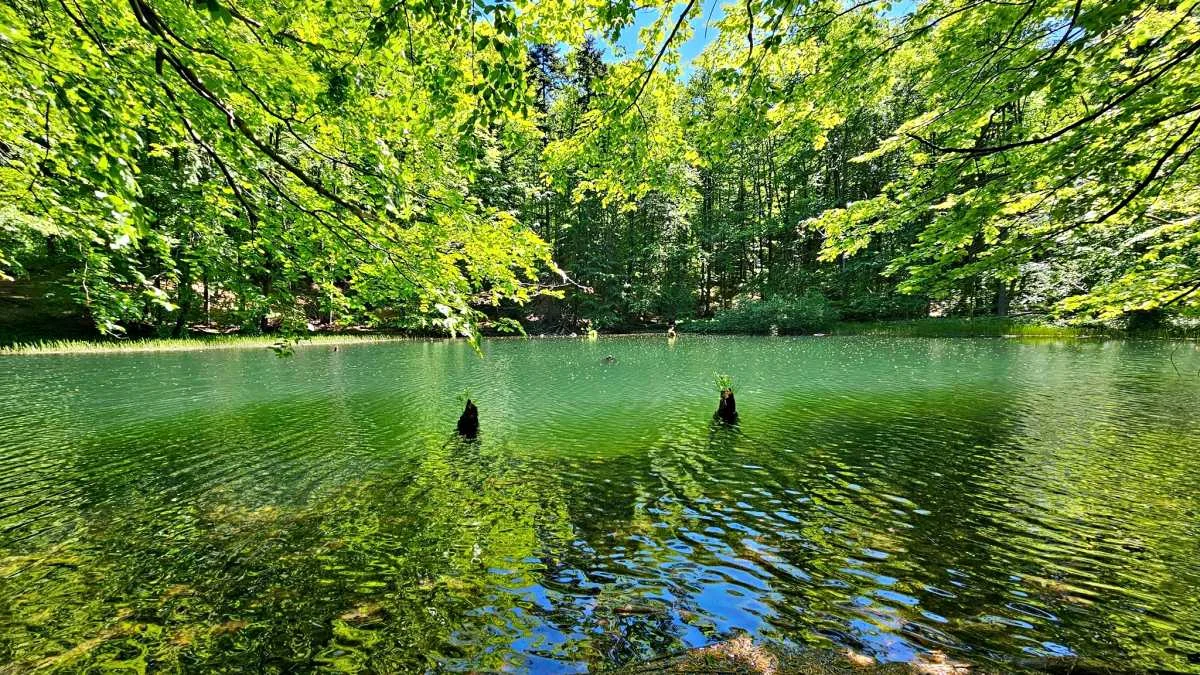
{"points": [[995, 499]]}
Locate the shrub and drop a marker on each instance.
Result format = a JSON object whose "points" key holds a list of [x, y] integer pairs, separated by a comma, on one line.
{"points": [[877, 307], [785, 315]]}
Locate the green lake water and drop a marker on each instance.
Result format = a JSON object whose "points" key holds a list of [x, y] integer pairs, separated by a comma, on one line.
{"points": [[993, 499]]}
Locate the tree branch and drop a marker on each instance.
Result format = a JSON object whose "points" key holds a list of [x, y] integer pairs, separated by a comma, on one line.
{"points": [[1149, 178], [1110, 105], [1182, 295], [649, 73], [251, 214], [153, 24]]}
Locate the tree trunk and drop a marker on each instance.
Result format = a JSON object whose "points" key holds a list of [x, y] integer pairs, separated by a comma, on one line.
{"points": [[183, 292]]}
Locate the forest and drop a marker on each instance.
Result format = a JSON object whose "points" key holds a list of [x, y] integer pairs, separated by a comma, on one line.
{"points": [[455, 166]]}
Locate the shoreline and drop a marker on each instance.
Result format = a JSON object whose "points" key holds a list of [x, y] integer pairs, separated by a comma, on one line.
{"points": [[912, 328]]}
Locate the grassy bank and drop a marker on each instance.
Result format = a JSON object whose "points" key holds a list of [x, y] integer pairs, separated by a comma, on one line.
{"points": [[812, 314], [188, 344], [932, 327], [993, 326], [960, 327], [987, 326]]}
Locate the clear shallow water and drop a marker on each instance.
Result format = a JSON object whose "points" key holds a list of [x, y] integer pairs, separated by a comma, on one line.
{"points": [[994, 499]]}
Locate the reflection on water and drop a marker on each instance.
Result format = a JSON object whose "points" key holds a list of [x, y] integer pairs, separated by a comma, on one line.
{"points": [[991, 499]]}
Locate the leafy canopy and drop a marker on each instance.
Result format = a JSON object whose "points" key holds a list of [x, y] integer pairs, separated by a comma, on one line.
{"points": [[331, 144]]}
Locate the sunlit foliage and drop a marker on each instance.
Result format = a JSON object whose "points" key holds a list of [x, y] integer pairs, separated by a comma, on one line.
{"points": [[431, 165]]}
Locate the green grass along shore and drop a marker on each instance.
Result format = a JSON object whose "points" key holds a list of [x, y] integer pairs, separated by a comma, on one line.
{"points": [[932, 327]]}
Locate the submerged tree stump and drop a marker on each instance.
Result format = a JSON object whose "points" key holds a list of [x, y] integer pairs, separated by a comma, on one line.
{"points": [[468, 422], [727, 409]]}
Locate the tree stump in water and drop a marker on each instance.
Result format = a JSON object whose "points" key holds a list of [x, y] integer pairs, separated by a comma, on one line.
{"points": [[468, 422], [727, 409]]}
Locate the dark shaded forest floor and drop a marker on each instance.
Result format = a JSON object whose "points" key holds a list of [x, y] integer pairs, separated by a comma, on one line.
{"points": [[32, 311]]}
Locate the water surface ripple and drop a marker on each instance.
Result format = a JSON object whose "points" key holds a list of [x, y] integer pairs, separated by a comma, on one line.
{"points": [[993, 499]]}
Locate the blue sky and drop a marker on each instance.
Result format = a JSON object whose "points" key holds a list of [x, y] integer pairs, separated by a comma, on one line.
{"points": [[704, 28]]}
